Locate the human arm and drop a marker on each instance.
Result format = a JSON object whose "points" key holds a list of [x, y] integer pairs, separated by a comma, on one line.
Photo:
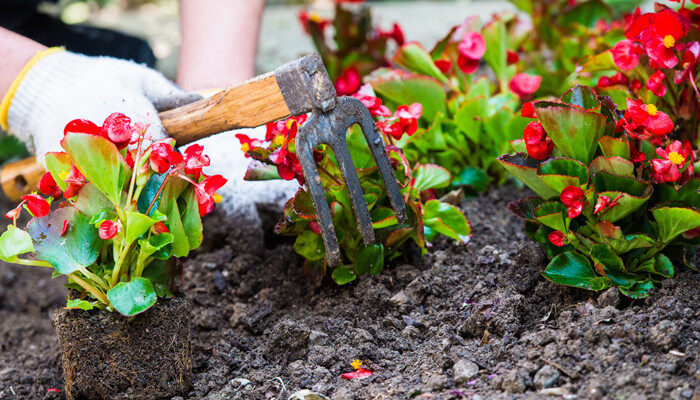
{"points": [[15, 51], [219, 42]]}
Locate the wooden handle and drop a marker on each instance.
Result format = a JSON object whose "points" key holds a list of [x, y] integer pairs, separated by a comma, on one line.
{"points": [[21, 177], [249, 104]]}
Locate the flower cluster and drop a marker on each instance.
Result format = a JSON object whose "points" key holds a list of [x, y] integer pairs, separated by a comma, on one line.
{"points": [[127, 208]]}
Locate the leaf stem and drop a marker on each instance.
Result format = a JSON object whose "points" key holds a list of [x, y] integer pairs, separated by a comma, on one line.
{"points": [[160, 190], [94, 291]]}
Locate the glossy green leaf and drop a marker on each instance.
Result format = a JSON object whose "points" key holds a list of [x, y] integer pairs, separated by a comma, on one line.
{"points": [[191, 221], [673, 221], [634, 194], [599, 62], [136, 225], [612, 265], [414, 58], [164, 275], [14, 242], [431, 138], [78, 247], [258, 171], [310, 245], [660, 265], [431, 176], [525, 169], [79, 304], [343, 274], [559, 173], [574, 269], [496, 39], [58, 165], [369, 259], [473, 177], [469, 118], [586, 13], [553, 215], [613, 165], [582, 96], [131, 298], [98, 160], [447, 220], [90, 200], [181, 245], [383, 217], [574, 131], [639, 290], [408, 89], [615, 147]]}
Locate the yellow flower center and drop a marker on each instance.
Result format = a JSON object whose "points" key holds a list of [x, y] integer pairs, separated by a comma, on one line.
{"points": [[63, 175], [669, 41], [316, 17], [356, 364], [245, 147], [651, 109], [217, 198], [278, 140], [290, 122], [676, 158]]}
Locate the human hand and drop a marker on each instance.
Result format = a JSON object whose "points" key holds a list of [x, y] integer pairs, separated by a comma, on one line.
{"points": [[63, 86]]}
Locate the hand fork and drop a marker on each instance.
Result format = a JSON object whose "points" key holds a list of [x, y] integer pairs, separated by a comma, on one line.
{"points": [[296, 88]]}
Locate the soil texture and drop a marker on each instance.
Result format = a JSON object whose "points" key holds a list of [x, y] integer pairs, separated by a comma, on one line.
{"points": [[476, 321]]}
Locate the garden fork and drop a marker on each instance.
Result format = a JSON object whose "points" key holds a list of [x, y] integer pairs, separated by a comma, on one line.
{"points": [[299, 87]]}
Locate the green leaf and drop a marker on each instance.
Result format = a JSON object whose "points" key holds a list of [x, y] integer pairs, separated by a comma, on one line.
{"points": [[446, 219], [98, 160], [78, 247], [639, 290], [469, 118], [525, 169], [439, 49], [494, 34], [415, 59], [613, 165], [164, 276], [615, 147], [473, 177], [310, 245], [58, 165], [383, 217], [634, 194], [136, 225], [574, 269], [480, 88], [191, 221], [673, 221], [431, 138], [431, 176], [14, 242], [559, 173], [131, 298], [150, 245], [258, 171], [343, 274], [660, 265], [552, 214], [369, 259], [408, 89], [79, 304], [612, 265], [90, 200], [587, 14], [582, 96], [599, 62], [574, 131], [525, 208]]}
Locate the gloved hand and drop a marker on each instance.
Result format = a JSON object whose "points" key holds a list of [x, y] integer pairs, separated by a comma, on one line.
{"points": [[64, 86]]}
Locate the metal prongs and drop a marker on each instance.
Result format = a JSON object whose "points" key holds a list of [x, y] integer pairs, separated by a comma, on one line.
{"points": [[330, 128]]}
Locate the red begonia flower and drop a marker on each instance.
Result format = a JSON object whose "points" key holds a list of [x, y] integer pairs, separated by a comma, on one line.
{"points": [[75, 180], [512, 57], [466, 64], [444, 65], [472, 45], [37, 205], [163, 156], [195, 160], [14, 213], [524, 84], [404, 121], [688, 63], [572, 197], [118, 129], [47, 185], [601, 204], [348, 82], [82, 126], [636, 156], [159, 227], [306, 18], [373, 104], [206, 193], [656, 83], [673, 159], [557, 238], [648, 117], [528, 110], [539, 146], [64, 229], [248, 143], [626, 54], [109, 229], [360, 373], [396, 33]]}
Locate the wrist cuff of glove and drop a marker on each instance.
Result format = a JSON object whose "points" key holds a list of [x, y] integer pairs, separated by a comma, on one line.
{"points": [[7, 100]]}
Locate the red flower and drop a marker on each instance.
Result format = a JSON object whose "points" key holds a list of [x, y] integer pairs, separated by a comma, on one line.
{"points": [[644, 121], [109, 229], [159, 227], [572, 197], [472, 46], [278, 128], [163, 156], [690, 60], [396, 33], [64, 229], [673, 159], [118, 129], [617, 79], [206, 193], [75, 181], [348, 82], [467, 65], [558, 238], [195, 160], [248, 143], [443, 65], [626, 54], [528, 110], [360, 373], [656, 84], [37, 205], [14, 213], [306, 18], [512, 57], [373, 104], [604, 202], [82, 126], [523, 84], [539, 146], [404, 121], [48, 186]]}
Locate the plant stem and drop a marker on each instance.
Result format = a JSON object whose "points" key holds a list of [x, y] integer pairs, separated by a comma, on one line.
{"points": [[95, 292], [33, 263], [89, 275], [325, 171], [160, 189], [134, 173]]}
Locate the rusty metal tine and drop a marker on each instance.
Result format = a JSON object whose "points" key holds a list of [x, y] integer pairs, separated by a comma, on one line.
{"points": [[378, 148], [305, 143]]}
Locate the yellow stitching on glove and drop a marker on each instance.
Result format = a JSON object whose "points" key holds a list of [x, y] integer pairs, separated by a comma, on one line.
{"points": [[5, 104]]}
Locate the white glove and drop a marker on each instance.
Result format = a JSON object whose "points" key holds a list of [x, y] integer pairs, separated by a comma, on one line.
{"points": [[64, 86]]}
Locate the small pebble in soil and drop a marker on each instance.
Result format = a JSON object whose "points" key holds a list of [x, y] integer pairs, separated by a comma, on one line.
{"points": [[464, 371], [546, 377]]}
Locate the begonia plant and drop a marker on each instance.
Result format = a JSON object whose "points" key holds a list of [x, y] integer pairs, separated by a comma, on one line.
{"points": [[274, 158], [113, 215], [614, 205]]}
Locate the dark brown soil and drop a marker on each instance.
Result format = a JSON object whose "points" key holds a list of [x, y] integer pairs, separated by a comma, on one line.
{"points": [[471, 322], [110, 357]]}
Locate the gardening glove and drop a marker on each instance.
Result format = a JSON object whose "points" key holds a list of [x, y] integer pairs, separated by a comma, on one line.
{"points": [[58, 86]]}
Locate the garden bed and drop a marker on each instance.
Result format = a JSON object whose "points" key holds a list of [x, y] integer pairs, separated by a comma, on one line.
{"points": [[261, 327]]}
